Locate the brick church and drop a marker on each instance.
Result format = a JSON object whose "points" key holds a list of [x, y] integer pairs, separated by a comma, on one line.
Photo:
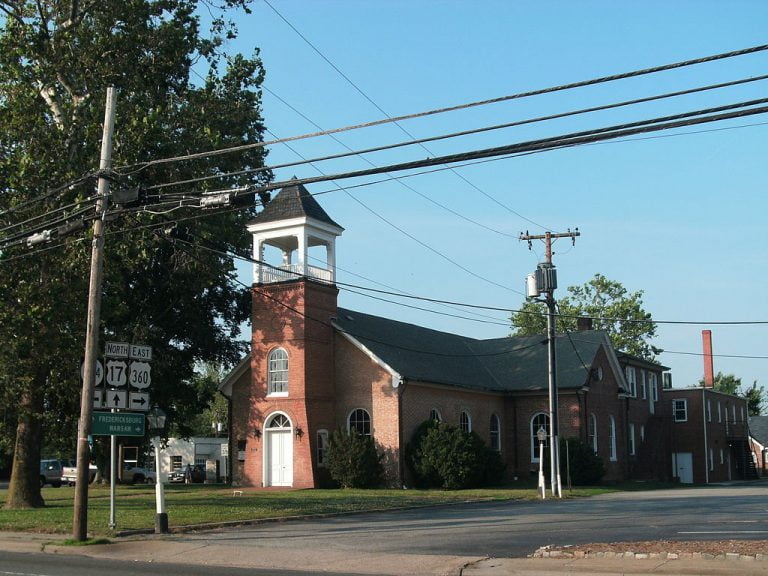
{"points": [[315, 367]]}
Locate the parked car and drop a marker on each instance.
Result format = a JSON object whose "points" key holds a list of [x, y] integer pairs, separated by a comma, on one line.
{"points": [[69, 472], [189, 474], [137, 475], [50, 473]]}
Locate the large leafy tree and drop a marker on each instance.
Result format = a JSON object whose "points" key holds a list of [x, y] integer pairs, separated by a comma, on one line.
{"points": [[178, 92], [731, 384], [610, 306]]}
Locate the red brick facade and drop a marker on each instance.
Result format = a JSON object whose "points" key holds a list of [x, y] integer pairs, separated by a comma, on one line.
{"points": [[330, 376]]}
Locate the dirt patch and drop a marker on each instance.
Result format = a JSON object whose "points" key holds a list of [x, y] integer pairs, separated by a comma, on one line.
{"points": [[704, 547]]}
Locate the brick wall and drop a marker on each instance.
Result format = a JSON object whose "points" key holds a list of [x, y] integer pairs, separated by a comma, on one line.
{"points": [[363, 383], [294, 316]]}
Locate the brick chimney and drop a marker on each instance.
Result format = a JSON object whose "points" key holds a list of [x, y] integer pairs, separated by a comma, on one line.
{"points": [[709, 369], [583, 323]]}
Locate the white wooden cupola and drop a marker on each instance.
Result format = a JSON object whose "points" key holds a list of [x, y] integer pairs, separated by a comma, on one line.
{"points": [[293, 238]]}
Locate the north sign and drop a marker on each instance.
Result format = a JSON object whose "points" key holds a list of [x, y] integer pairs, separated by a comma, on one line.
{"points": [[117, 349], [117, 424]]}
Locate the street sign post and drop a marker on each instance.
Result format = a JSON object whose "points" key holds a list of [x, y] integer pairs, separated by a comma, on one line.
{"points": [[117, 424]]}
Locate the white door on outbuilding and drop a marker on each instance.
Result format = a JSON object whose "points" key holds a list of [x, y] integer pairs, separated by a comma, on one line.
{"points": [[682, 466]]}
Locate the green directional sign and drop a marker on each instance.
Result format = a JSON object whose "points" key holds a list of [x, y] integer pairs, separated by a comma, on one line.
{"points": [[117, 424]]}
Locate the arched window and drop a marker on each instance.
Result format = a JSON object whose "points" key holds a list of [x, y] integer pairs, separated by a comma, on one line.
{"points": [[434, 414], [360, 422], [495, 433], [279, 421], [612, 438], [465, 422], [277, 372], [592, 431], [540, 420]]}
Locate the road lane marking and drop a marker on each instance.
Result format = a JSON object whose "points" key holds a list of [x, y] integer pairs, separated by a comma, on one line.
{"points": [[727, 532]]}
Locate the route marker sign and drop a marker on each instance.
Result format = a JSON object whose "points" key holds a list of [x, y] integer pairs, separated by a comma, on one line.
{"points": [[117, 373], [140, 374], [117, 424]]}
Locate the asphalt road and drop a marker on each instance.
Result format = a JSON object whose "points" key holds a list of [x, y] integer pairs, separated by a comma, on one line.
{"points": [[516, 529], [27, 564]]}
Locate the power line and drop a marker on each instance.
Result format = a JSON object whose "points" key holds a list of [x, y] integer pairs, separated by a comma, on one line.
{"points": [[398, 124], [545, 144], [519, 95]]}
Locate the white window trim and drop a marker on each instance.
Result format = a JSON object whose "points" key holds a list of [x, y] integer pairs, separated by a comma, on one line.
{"points": [[495, 418], [593, 424], [674, 409], [632, 447], [469, 420], [612, 439], [280, 393], [370, 420], [631, 376], [322, 438], [644, 384]]}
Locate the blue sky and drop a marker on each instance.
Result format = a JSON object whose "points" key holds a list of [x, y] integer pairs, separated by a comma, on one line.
{"points": [[680, 216]]}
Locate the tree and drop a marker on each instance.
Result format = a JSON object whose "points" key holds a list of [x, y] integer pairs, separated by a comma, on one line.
{"points": [[755, 397], [443, 455], [731, 384], [206, 383], [354, 461], [610, 306], [725, 383], [56, 61]]}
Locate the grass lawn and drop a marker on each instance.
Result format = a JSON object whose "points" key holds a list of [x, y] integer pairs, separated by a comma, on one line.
{"points": [[201, 503]]}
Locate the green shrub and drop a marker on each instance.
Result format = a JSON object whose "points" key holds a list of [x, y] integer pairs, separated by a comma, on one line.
{"points": [[442, 455], [585, 467], [353, 460]]}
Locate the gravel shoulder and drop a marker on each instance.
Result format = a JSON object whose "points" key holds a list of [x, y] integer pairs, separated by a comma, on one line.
{"points": [[707, 548]]}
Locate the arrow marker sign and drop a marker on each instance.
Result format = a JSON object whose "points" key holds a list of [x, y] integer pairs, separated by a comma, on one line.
{"points": [[138, 401], [116, 399]]}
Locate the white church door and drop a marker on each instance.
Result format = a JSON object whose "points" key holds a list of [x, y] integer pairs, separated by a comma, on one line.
{"points": [[279, 452]]}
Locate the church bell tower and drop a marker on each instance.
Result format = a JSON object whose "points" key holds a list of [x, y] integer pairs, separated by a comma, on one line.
{"points": [[291, 404]]}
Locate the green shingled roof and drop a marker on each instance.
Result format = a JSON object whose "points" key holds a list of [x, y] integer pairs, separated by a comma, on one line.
{"points": [[500, 364]]}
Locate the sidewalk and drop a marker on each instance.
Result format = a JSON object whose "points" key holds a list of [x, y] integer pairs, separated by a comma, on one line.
{"points": [[165, 549]]}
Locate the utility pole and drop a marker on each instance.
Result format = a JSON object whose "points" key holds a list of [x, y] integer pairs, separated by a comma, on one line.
{"points": [[545, 280], [80, 523]]}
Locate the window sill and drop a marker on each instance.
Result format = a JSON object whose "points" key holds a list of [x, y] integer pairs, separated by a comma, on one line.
{"points": [[277, 395]]}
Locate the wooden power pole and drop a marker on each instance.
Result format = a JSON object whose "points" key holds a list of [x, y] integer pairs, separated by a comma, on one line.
{"points": [[546, 282], [80, 523]]}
